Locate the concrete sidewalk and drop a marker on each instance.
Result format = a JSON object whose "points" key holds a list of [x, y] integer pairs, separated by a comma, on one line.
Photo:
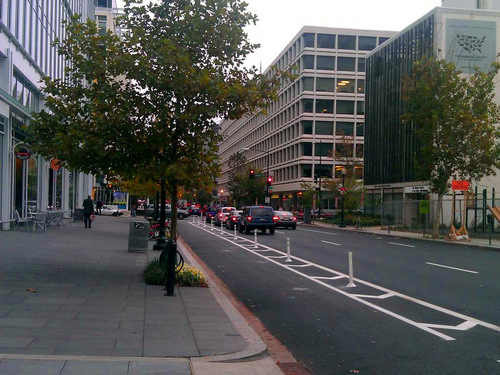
{"points": [[73, 301], [383, 231]]}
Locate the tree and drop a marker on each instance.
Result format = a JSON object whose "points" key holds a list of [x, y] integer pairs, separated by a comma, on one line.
{"points": [[145, 105], [454, 118], [243, 189]]}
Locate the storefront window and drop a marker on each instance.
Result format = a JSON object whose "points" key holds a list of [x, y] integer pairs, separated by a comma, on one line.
{"points": [[32, 183]]}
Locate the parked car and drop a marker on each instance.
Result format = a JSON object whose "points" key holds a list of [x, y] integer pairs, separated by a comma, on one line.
{"points": [[222, 214], [194, 211], [286, 219], [181, 214], [257, 217], [211, 212], [111, 211], [233, 218]]}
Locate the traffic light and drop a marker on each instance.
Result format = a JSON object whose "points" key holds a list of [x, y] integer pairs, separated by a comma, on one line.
{"points": [[252, 173], [269, 180], [299, 194]]}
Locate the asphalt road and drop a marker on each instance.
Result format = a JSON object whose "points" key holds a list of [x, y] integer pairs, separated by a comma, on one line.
{"points": [[417, 307]]}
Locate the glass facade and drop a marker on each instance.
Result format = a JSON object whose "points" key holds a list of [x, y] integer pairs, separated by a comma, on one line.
{"points": [[390, 146]]}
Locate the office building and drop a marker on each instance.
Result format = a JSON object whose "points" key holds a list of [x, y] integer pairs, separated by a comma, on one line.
{"points": [[320, 112], [27, 181], [391, 148]]}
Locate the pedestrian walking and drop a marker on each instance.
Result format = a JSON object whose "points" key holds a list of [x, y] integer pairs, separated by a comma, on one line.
{"points": [[88, 210], [98, 207]]}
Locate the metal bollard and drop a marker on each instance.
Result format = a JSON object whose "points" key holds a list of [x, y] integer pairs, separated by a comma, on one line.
{"points": [[255, 238], [211, 225], [288, 259], [221, 228], [235, 236], [351, 277]]}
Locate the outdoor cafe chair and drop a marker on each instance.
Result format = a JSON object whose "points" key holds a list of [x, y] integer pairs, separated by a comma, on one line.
{"points": [[40, 221], [25, 221]]}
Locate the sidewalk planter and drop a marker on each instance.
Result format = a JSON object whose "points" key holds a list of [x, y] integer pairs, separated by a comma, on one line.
{"points": [[138, 237], [155, 274]]}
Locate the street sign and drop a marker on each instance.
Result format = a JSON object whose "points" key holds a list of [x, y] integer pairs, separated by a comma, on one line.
{"points": [[417, 189], [267, 200], [423, 207], [460, 185]]}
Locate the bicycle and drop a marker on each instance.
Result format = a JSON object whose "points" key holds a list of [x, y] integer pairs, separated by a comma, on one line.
{"points": [[179, 260], [154, 230]]}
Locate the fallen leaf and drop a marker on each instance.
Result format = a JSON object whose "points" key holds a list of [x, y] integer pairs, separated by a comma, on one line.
{"points": [[32, 290]]}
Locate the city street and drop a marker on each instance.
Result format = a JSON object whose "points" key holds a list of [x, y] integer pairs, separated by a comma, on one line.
{"points": [[417, 307]]}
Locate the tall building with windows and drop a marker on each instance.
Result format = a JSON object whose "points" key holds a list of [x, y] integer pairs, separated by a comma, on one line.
{"points": [[27, 181], [391, 147], [317, 117]]}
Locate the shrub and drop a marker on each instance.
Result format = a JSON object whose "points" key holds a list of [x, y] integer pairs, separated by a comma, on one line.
{"points": [[155, 274]]}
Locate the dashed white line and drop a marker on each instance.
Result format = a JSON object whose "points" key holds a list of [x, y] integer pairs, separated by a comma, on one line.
{"points": [[276, 231], [452, 268], [331, 243], [318, 231], [400, 244]]}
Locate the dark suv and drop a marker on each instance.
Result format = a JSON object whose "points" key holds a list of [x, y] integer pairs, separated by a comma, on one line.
{"points": [[257, 217]]}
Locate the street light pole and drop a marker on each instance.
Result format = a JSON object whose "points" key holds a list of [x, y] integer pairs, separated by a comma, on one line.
{"points": [[267, 166], [221, 192]]}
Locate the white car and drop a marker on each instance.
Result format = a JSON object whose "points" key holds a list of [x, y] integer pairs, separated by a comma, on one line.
{"points": [[111, 211]]}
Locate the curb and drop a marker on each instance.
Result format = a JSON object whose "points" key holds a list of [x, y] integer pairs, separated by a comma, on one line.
{"points": [[256, 348], [402, 235]]}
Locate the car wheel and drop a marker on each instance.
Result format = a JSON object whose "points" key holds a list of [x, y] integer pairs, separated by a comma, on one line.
{"points": [[114, 214], [294, 227], [247, 229], [240, 228], [181, 216], [271, 230]]}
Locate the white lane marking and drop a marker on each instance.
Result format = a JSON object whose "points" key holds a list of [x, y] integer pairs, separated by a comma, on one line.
{"points": [[318, 231], [461, 327], [327, 277], [382, 296], [300, 265], [452, 268], [280, 232], [400, 244], [315, 279], [331, 243]]}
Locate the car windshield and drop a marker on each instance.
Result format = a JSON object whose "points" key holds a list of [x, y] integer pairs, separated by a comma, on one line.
{"points": [[283, 213]]}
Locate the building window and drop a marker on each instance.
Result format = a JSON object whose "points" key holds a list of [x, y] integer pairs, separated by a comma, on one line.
{"points": [[323, 149], [324, 128], [367, 43], [361, 86], [308, 62], [326, 41], [347, 42], [344, 128], [307, 105], [360, 108], [24, 92], [360, 129], [325, 63], [308, 40], [359, 151], [345, 107], [325, 84], [306, 170], [307, 127], [345, 85], [382, 40], [307, 149], [344, 150], [102, 25], [324, 106], [104, 3], [307, 84], [361, 64], [346, 64]]}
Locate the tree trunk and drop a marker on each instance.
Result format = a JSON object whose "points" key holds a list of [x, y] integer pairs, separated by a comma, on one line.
{"points": [[435, 226]]}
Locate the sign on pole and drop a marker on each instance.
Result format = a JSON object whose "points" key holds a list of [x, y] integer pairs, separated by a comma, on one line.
{"points": [[424, 207], [267, 200], [460, 185]]}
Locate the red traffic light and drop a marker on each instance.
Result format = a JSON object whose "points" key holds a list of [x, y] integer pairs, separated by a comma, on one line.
{"points": [[252, 173], [269, 180]]}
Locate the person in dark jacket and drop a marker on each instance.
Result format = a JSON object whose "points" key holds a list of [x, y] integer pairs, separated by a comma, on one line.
{"points": [[88, 209]]}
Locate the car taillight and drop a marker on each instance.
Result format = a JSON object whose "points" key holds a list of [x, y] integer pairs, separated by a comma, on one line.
{"points": [[294, 218], [220, 215], [276, 218], [234, 218], [249, 218]]}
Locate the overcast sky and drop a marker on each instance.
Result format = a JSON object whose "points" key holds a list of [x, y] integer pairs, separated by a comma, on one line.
{"points": [[280, 20]]}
